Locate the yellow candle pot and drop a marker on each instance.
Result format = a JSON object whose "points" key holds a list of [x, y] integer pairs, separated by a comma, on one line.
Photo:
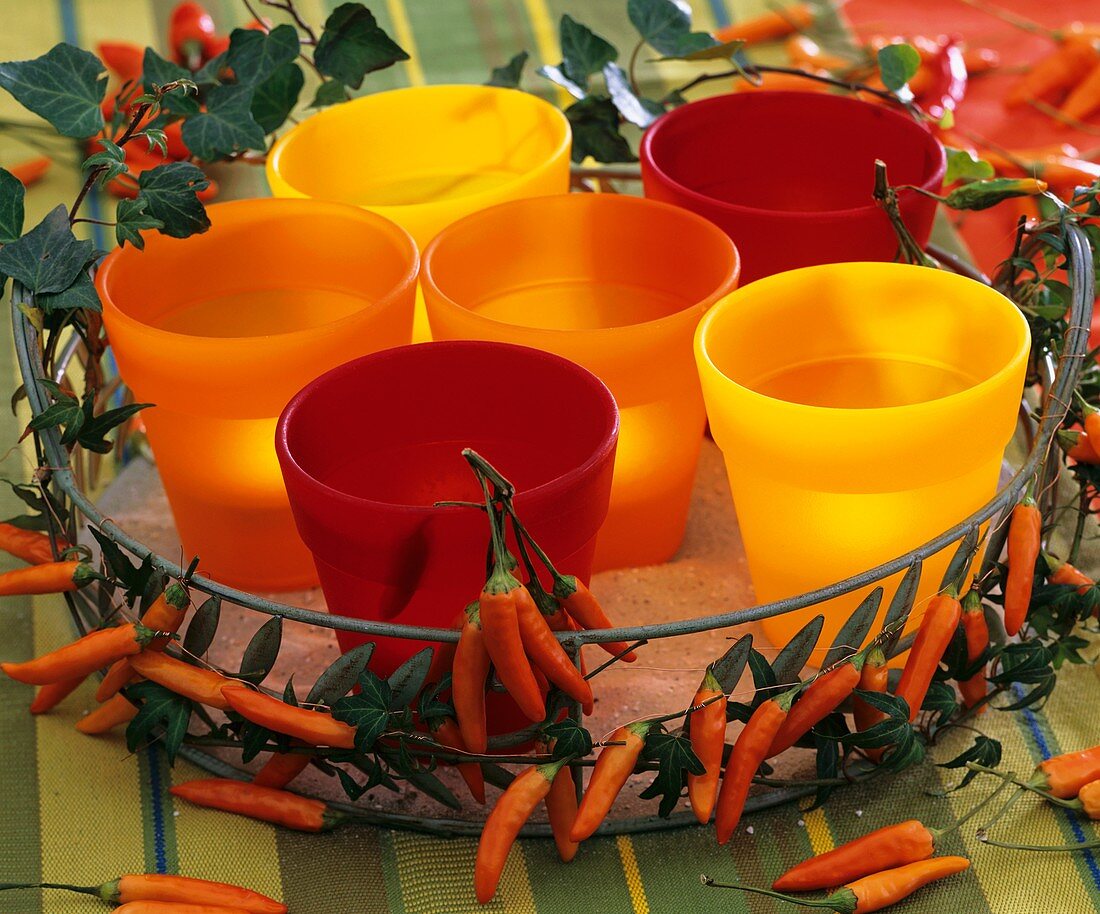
{"points": [[426, 156], [618, 285], [862, 408], [220, 330]]}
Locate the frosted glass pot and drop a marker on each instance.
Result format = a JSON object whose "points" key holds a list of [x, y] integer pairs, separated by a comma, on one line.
{"points": [[426, 156], [616, 284], [220, 330], [862, 408]]}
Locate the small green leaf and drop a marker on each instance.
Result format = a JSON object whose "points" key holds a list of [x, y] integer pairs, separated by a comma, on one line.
{"points": [[509, 75], [727, 50], [557, 76], [583, 51], [254, 56], [156, 71], [276, 97], [131, 220], [336, 681], [111, 160], [788, 664], [595, 123], [93, 433], [728, 668], [962, 166], [567, 738], [332, 92], [353, 45], [65, 86], [202, 629], [828, 754], [12, 193], [940, 700], [159, 709], [433, 787], [853, 633], [901, 604], [169, 192], [979, 195], [666, 26], [352, 787], [639, 111], [984, 751], [675, 759], [368, 711], [81, 294], [409, 678], [48, 258], [957, 568], [226, 127], [253, 740], [262, 651], [898, 63]]}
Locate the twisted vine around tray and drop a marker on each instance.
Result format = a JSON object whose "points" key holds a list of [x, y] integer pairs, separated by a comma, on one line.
{"points": [[1058, 380]]}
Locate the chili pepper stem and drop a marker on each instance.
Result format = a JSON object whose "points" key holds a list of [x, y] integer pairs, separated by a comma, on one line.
{"points": [[617, 657], [96, 890], [938, 833], [483, 468], [790, 899], [1011, 778], [1049, 848]]}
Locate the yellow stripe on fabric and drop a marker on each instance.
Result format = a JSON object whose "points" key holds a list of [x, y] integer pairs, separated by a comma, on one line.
{"points": [[89, 786], [817, 828], [221, 846], [403, 33], [437, 877], [546, 41], [632, 875]]}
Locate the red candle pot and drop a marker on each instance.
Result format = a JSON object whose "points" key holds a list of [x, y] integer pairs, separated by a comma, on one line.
{"points": [[789, 175], [368, 448]]}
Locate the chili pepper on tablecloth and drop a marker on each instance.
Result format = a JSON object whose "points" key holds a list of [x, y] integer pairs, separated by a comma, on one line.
{"points": [[1024, 535], [941, 618], [707, 731], [53, 693], [317, 728], [276, 806], [1064, 775], [471, 670], [105, 717], [84, 656], [613, 767], [976, 629]]}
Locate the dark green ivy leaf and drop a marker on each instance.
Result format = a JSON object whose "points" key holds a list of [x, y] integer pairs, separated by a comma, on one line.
{"points": [[48, 258], [728, 668], [332, 92], [639, 111], [12, 193], [676, 759], [262, 650], [984, 751], [567, 739], [583, 51], [276, 97], [254, 56], [93, 431], [368, 711], [353, 45], [898, 63], [253, 739], [170, 195], [65, 86], [156, 71], [227, 126], [509, 75], [827, 737], [557, 76], [725, 51], [158, 709], [941, 701], [131, 220], [81, 294], [595, 123], [431, 785], [666, 26]]}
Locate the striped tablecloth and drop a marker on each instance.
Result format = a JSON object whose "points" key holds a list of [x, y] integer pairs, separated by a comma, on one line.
{"points": [[82, 810]]}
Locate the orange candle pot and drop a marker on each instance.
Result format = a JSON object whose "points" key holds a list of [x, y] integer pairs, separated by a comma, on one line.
{"points": [[426, 156], [616, 284], [220, 330], [862, 408]]}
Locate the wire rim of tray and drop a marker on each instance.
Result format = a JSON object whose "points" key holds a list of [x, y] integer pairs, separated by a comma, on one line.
{"points": [[1059, 380]]}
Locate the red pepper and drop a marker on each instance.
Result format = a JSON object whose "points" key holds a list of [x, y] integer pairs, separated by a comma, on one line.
{"points": [[948, 79], [446, 733], [977, 640], [190, 32], [471, 669]]}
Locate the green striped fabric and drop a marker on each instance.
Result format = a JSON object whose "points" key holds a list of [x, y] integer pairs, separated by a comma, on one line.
{"points": [[82, 810]]}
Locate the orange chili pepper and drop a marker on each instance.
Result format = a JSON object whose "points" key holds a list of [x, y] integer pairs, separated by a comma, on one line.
{"points": [[30, 171], [196, 683], [586, 611], [1064, 775], [123, 58], [500, 628], [83, 656], [546, 651], [49, 577], [1067, 574], [561, 809], [53, 693], [277, 806], [819, 699], [173, 907], [317, 728], [749, 752], [1024, 532], [806, 53], [445, 732], [173, 893], [190, 31], [941, 618], [1089, 796], [502, 827], [973, 690], [471, 669], [875, 892], [281, 769], [981, 60], [1078, 446], [1084, 98], [769, 26], [29, 545], [613, 767], [166, 614], [873, 678], [882, 849], [1064, 67], [707, 730], [560, 621], [107, 716], [443, 653], [782, 82]]}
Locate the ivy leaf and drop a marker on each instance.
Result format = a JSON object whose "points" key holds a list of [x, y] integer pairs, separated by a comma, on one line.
{"points": [[335, 682], [12, 193], [431, 785], [595, 123], [1025, 663], [253, 739], [352, 787], [332, 92], [727, 50], [567, 739], [118, 565], [202, 629], [763, 676], [728, 668], [158, 709], [211, 72], [65, 86], [509, 75], [368, 711], [226, 128], [984, 751], [65, 411], [353, 45], [170, 195], [962, 166], [156, 71], [48, 258], [94, 429], [897, 64], [262, 651], [940, 700], [827, 737], [276, 97], [131, 220], [558, 78], [666, 26], [639, 111], [675, 759], [408, 679], [583, 51], [254, 55], [81, 294]]}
